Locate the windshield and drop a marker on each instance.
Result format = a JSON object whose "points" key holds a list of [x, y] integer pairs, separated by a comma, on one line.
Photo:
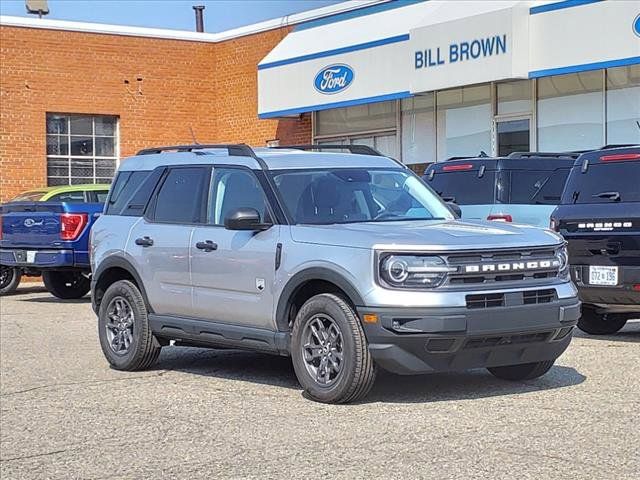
{"points": [[350, 195], [603, 183], [29, 197]]}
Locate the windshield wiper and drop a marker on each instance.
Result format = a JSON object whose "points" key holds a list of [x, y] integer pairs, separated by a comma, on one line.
{"points": [[615, 196], [574, 197]]}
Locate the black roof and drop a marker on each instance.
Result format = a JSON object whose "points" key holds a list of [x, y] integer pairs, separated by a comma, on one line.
{"points": [[515, 161]]}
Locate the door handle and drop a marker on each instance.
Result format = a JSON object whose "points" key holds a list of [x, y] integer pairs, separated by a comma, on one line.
{"points": [[207, 246], [144, 241]]}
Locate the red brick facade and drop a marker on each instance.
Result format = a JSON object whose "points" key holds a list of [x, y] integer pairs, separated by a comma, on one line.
{"points": [[209, 87]]}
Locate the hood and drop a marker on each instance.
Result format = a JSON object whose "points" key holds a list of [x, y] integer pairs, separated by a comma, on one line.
{"points": [[428, 235]]}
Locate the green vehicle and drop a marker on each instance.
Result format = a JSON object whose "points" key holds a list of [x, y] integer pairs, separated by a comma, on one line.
{"points": [[89, 193], [46, 232]]}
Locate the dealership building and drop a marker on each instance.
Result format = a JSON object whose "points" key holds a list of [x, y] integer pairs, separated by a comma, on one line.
{"points": [[421, 81]]}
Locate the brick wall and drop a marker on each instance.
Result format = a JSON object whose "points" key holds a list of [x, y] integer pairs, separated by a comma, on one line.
{"points": [[209, 87]]}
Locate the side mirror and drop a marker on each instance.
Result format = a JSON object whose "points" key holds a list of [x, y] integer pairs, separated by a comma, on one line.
{"points": [[245, 219], [455, 209]]}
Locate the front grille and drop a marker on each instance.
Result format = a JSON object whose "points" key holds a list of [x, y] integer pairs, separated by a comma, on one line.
{"points": [[485, 268], [527, 297], [493, 341], [532, 297], [485, 300]]}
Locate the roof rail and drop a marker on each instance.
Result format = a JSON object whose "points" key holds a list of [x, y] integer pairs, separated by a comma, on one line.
{"points": [[356, 149], [233, 149], [572, 155]]}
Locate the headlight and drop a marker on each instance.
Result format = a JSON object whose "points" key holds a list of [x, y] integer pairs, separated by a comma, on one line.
{"points": [[563, 258], [410, 271]]}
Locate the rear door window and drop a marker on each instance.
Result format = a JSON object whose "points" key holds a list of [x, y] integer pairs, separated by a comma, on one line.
{"points": [[124, 186], [536, 187], [68, 197], [604, 183], [180, 198], [465, 188]]}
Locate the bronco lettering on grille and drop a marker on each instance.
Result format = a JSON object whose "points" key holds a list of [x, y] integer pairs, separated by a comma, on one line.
{"points": [[513, 266]]}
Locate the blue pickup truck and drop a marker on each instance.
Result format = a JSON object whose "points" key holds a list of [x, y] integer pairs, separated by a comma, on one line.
{"points": [[47, 233]]}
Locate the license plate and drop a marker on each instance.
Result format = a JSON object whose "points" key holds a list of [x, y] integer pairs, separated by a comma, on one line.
{"points": [[603, 275], [31, 256]]}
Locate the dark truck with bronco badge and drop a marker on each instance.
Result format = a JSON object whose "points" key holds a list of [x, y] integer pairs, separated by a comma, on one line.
{"points": [[600, 218]]}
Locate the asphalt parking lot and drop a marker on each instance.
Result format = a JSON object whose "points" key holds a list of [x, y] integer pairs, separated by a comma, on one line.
{"points": [[231, 414]]}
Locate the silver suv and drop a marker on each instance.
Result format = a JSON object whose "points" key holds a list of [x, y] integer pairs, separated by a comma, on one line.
{"points": [[345, 262]]}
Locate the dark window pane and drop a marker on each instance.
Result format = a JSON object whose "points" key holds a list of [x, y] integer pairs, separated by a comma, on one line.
{"points": [[81, 167], [465, 188], [180, 198], [69, 197], [81, 125], [55, 181], [232, 189], [105, 168], [56, 123], [81, 146], [537, 187], [105, 126], [57, 167], [101, 196], [57, 145], [105, 146], [80, 180], [616, 177]]}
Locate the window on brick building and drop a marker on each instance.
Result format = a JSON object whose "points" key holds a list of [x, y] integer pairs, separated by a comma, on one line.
{"points": [[81, 148]]}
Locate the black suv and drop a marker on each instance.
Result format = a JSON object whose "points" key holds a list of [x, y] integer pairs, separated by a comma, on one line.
{"points": [[600, 217]]}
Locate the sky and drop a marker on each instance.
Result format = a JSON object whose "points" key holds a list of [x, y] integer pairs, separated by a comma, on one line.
{"points": [[219, 15]]}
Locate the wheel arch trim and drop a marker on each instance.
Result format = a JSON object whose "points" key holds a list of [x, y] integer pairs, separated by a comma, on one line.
{"points": [[304, 276]]}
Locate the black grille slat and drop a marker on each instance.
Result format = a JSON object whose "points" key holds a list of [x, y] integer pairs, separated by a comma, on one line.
{"points": [[532, 297], [492, 341], [489, 300]]}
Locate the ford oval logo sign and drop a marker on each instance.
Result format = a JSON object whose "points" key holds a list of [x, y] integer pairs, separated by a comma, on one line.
{"points": [[333, 78], [636, 26]]}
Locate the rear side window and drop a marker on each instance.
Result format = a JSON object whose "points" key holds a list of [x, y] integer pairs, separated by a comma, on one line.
{"points": [[531, 187], [124, 186], [465, 188], [604, 183], [68, 197], [180, 198], [29, 197]]}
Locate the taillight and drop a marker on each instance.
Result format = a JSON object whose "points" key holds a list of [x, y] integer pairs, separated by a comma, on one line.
{"points": [[500, 217], [71, 225], [620, 157], [456, 168]]}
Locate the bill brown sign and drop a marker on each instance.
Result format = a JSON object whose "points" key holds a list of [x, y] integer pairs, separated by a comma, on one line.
{"points": [[483, 48]]}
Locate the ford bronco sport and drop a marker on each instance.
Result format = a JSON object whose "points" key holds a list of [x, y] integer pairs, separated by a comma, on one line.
{"points": [[600, 218], [345, 262]]}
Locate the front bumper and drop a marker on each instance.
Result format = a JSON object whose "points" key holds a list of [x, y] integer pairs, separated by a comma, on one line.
{"points": [[421, 340], [44, 259]]}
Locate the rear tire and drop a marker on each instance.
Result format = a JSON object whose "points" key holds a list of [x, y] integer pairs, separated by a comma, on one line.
{"points": [[123, 328], [329, 351], [524, 371], [9, 279], [600, 323], [66, 284]]}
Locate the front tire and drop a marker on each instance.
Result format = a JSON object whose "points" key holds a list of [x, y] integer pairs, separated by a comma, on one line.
{"points": [[123, 328], [524, 371], [9, 279], [66, 284], [329, 351], [600, 323]]}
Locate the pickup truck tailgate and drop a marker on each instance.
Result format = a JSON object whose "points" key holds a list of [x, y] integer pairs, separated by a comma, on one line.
{"points": [[31, 224]]}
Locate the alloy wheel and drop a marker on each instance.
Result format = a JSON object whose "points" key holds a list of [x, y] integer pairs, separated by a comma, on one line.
{"points": [[322, 349], [119, 325]]}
